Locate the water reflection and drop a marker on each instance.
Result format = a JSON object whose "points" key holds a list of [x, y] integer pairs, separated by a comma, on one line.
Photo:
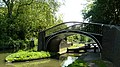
{"points": [[38, 63], [69, 60]]}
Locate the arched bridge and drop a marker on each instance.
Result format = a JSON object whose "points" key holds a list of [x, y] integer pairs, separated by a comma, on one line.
{"points": [[50, 39], [107, 38]]}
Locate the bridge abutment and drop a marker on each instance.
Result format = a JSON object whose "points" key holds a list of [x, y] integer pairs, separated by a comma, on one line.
{"points": [[111, 44], [41, 41]]}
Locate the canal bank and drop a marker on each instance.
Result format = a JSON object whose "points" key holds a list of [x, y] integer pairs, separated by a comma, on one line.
{"points": [[61, 61]]}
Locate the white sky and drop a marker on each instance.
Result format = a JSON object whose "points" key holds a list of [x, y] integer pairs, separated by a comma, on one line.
{"points": [[72, 10]]}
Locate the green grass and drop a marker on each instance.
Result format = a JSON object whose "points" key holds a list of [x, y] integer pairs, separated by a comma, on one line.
{"points": [[82, 63], [100, 63], [76, 46], [26, 55], [78, 63]]}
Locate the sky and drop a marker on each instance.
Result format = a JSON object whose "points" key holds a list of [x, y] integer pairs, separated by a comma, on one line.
{"points": [[72, 10]]}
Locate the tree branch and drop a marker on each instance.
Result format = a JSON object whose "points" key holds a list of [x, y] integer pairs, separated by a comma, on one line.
{"points": [[6, 2], [17, 12]]}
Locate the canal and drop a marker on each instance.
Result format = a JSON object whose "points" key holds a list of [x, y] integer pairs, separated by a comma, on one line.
{"points": [[62, 61]]}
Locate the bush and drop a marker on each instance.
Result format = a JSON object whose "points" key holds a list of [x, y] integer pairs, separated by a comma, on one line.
{"points": [[9, 43]]}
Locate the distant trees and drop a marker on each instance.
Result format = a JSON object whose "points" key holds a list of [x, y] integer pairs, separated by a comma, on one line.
{"points": [[103, 11], [21, 19], [78, 38]]}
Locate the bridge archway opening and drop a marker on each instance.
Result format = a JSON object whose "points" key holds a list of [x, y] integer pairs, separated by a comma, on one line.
{"points": [[58, 40]]}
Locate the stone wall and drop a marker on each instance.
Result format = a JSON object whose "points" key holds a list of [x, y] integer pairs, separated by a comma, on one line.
{"points": [[111, 44]]}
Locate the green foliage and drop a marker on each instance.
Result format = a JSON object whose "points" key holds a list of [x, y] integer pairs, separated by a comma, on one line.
{"points": [[17, 44], [70, 38], [100, 63], [76, 46], [22, 19], [78, 38], [78, 63], [103, 11], [82, 63], [26, 55]]}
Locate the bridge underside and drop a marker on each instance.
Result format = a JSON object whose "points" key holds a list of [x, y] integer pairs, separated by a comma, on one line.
{"points": [[54, 41]]}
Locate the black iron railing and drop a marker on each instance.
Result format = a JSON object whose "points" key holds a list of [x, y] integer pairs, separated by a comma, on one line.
{"points": [[95, 28]]}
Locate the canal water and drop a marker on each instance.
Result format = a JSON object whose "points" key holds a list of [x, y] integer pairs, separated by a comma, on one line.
{"points": [[62, 61]]}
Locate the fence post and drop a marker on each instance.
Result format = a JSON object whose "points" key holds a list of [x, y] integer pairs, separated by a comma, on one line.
{"points": [[41, 41]]}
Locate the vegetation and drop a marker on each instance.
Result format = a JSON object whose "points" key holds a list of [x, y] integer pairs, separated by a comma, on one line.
{"points": [[103, 11], [82, 63], [76, 46], [20, 20], [100, 63], [26, 55], [77, 38], [78, 63]]}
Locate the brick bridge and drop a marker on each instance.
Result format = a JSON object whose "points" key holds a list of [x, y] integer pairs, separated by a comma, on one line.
{"points": [[106, 36]]}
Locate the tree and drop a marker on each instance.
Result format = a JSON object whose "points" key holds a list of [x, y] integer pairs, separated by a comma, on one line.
{"points": [[103, 11], [22, 19]]}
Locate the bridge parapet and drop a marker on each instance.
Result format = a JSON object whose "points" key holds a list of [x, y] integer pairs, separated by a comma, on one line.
{"points": [[95, 28]]}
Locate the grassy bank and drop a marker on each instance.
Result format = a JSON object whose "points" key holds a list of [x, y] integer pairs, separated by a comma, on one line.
{"points": [[82, 63], [26, 55], [78, 63]]}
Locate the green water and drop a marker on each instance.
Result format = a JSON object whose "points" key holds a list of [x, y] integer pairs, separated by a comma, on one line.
{"points": [[61, 62]]}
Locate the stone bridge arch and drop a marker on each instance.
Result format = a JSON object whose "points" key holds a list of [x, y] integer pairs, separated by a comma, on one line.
{"points": [[53, 41]]}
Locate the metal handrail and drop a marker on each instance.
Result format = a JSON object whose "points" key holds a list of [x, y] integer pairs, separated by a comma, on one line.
{"points": [[75, 22]]}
